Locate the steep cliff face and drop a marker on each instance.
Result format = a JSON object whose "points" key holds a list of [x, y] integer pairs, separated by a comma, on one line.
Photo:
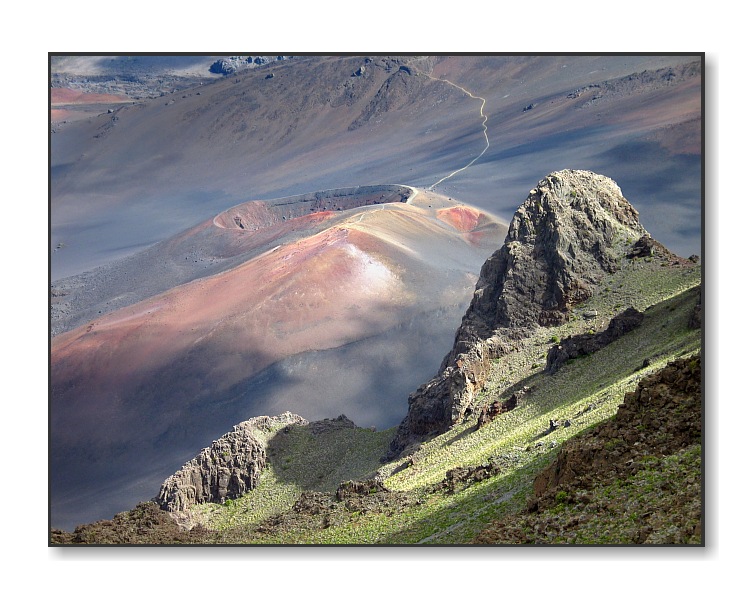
{"points": [[227, 469], [574, 228]]}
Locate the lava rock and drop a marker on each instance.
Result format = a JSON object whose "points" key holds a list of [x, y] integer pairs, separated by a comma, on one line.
{"points": [[563, 241], [227, 469], [583, 344]]}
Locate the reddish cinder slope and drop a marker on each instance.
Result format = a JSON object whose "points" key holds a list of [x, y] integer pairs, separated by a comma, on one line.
{"points": [[67, 96], [332, 295], [302, 296], [361, 275], [475, 225], [463, 218]]}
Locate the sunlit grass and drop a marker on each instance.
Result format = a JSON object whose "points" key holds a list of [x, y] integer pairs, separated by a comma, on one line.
{"points": [[586, 391]]}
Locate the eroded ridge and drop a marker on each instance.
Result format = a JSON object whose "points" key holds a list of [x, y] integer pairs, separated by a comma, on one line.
{"points": [[256, 215]]}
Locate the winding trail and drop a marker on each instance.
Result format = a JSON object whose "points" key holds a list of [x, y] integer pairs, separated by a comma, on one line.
{"points": [[485, 132], [484, 118]]}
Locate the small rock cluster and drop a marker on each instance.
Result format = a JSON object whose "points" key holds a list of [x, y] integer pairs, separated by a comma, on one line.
{"points": [[359, 488], [317, 510], [458, 479], [230, 65], [329, 425], [496, 408], [583, 344]]}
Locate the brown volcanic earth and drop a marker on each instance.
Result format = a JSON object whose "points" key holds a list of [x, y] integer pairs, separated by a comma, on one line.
{"points": [[191, 316]]}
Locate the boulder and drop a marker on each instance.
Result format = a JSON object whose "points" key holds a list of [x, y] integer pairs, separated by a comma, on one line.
{"points": [[461, 478], [493, 410]]}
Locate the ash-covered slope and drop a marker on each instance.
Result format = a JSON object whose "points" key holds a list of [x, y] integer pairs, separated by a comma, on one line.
{"points": [[125, 179], [574, 228]]}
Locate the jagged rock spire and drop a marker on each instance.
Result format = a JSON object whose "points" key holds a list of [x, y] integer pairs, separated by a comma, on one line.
{"points": [[574, 228]]}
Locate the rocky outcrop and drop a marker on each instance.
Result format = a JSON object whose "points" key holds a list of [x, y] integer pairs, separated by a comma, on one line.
{"points": [[351, 488], [397, 90], [322, 426], [637, 83], [227, 469], [315, 510], [635, 478], [146, 524], [662, 416], [230, 65], [583, 344], [458, 479], [491, 411], [574, 228]]}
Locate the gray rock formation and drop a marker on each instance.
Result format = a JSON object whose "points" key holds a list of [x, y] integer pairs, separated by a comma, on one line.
{"points": [[396, 91], [458, 479], [227, 469], [322, 426], [351, 488], [572, 230], [227, 66], [583, 344], [492, 410], [230, 65]]}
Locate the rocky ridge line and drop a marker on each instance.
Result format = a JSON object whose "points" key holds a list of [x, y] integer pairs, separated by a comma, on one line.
{"points": [[230, 65], [227, 469], [583, 344], [573, 229]]}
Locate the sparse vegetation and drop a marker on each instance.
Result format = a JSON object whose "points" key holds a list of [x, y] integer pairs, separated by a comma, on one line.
{"points": [[584, 393]]}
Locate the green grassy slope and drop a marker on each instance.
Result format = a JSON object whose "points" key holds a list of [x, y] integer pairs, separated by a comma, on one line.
{"points": [[296, 500], [585, 391]]}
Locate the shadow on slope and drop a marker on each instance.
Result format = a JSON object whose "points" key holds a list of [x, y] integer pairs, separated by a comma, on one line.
{"points": [[96, 473]]}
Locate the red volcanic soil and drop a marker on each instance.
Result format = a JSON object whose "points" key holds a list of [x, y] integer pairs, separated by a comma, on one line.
{"points": [[58, 115], [67, 96], [462, 218], [308, 295], [475, 226], [355, 278]]}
